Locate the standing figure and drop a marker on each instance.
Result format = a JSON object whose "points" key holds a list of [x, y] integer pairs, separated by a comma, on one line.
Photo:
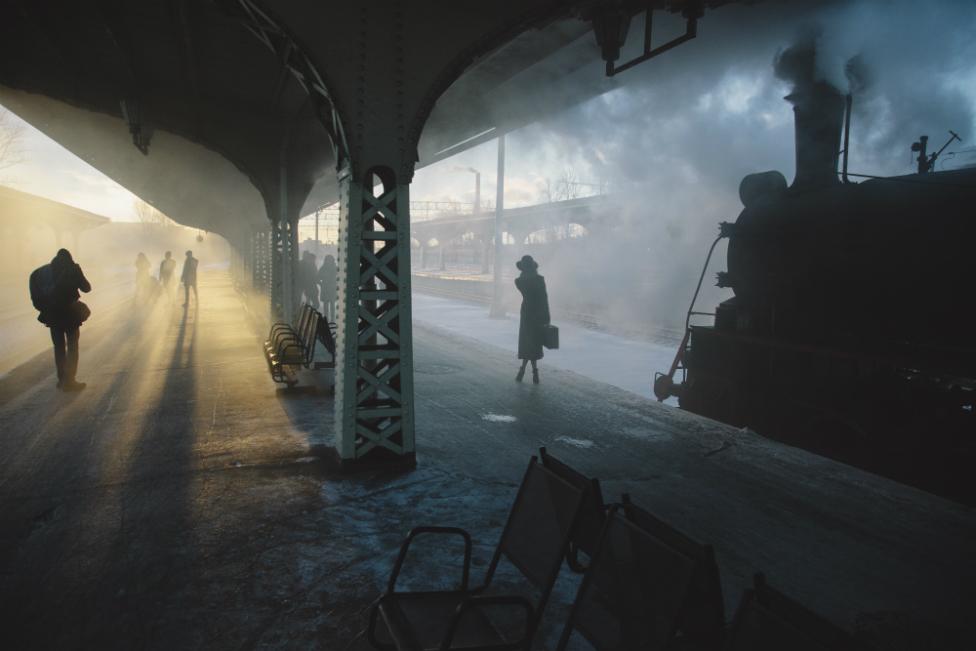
{"points": [[307, 270], [189, 279], [142, 276], [328, 287], [533, 317], [166, 270], [54, 291]]}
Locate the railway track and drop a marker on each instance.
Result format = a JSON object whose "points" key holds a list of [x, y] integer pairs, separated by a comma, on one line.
{"points": [[657, 334]]}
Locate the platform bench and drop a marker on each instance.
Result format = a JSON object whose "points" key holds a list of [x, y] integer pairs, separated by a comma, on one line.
{"points": [[289, 347]]}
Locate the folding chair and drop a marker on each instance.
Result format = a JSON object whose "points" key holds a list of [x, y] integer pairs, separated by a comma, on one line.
{"points": [[632, 593], [702, 621], [767, 620], [534, 540], [586, 534]]}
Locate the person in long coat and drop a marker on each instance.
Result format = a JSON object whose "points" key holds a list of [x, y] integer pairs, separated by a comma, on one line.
{"points": [[328, 290], [189, 279], [533, 316], [142, 277], [308, 279]]}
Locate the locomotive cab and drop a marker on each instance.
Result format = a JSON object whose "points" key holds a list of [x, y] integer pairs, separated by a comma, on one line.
{"points": [[850, 332]]}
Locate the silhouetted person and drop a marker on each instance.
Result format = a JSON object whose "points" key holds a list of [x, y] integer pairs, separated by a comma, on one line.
{"points": [[142, 276], [533, 317], [54, 291], [307, 279], [189, 279], [166, 270], [327, 287]]}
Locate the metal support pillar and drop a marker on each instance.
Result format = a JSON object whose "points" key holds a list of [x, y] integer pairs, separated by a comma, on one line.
{"points": [[261, 268], [497, 309], [245, 250], [283, 250], [485, 253], [374, 365]]}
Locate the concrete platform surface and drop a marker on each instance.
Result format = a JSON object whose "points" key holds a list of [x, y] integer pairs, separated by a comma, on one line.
{"points": [[181, 501]]}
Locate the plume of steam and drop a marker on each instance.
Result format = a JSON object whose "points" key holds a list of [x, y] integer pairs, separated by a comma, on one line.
{"points": [[679, 136], [803, 64], [797, 64]]}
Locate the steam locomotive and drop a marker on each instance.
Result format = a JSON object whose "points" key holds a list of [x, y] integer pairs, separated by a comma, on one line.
{"points": [[852, 329]]}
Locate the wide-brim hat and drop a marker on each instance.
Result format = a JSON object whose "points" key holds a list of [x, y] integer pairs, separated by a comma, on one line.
{"points": [[527, 263]]}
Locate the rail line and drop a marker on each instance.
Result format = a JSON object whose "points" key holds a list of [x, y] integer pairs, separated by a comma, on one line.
{"points": [[590, 321]]}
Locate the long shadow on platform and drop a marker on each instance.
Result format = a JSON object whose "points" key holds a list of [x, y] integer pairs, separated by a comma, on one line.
{"points": [[56, 477], [155, 546]]}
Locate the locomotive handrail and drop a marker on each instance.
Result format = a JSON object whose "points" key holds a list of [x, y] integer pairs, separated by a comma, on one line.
{"points": [[691, 308], [660, 385]]}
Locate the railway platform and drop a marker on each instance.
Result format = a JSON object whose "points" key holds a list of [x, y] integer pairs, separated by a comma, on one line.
{"points": [[182, 501]]}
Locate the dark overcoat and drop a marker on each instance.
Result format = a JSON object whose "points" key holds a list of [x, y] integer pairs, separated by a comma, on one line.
{"points": [[189, 275], [533, 315], [53, 288]]}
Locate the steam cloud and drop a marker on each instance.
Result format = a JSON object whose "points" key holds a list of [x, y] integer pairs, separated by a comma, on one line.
{"points": [[676, 140]]}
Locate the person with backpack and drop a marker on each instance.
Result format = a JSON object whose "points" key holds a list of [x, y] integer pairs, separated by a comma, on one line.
{"points": [[54, 291]]}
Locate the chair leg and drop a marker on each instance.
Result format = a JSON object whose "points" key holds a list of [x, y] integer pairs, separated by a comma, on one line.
{"points": [[374, 612]]}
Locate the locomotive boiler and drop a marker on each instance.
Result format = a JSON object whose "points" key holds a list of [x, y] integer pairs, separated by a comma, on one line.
{"points": [[852, 329]]}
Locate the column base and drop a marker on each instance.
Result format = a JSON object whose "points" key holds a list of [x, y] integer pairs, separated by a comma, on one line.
{"points": [[379, 459]]}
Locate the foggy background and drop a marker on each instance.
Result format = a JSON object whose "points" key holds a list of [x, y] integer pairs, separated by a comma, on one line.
{"points": [[107, 255], [674, 142], [670, 146]]}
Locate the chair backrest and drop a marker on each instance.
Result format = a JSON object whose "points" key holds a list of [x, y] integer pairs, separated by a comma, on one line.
{"points": [[307, 334], [590, 523], [767, 620], [538, 529], [324, 334], [304, 313], [632, 594], [702, 618]]}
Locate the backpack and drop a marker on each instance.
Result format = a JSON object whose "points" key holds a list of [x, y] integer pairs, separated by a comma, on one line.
{"points": [[43, 284]]}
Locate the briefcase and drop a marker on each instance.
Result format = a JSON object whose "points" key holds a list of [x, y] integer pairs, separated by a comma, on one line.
{"points": [[550, 337]]}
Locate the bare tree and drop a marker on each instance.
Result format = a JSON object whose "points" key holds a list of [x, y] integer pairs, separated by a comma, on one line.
{"points": [[149, 216], [11, 140], [568, 185]]}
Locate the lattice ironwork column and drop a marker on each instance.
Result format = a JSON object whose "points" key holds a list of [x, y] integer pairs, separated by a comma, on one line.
{"points": [[374, 369], [283, 253], [261, 266]]}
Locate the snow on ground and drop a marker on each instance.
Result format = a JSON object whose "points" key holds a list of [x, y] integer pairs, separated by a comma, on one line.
{"points": [[624, 363]]}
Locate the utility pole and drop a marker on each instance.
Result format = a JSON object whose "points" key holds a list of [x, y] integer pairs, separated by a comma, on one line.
{"points": [[497, 310], [316, 225]]}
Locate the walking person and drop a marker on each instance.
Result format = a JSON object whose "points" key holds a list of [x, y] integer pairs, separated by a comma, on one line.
{"points": [[54, 291], [142, 276], [166, 270], [327, 287], [533, 316], [189, 279], [307, 278]]}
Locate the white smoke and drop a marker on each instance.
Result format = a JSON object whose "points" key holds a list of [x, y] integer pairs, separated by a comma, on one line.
{"points": [[676, 140]]}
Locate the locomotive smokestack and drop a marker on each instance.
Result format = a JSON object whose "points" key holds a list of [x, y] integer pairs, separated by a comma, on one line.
{"points": [[818, 110]]}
